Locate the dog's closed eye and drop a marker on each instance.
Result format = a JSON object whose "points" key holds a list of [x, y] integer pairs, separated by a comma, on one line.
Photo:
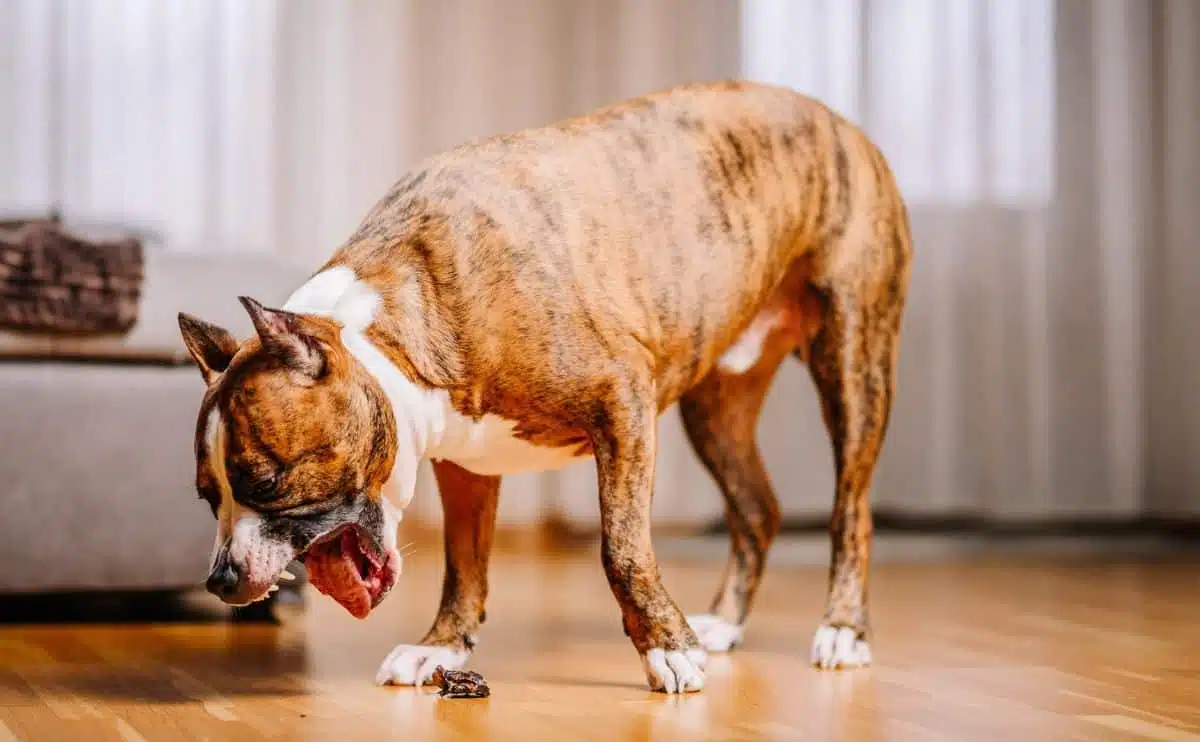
{"points": [[264, 489], [258, 487]]}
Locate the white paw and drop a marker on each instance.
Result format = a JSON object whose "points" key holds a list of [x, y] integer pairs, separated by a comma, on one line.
{"points": [[413, 664], [835, 647], [675, 671], [715, 633]]}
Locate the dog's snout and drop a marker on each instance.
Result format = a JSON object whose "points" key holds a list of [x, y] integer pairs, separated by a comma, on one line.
{"points": [[225, 581]]}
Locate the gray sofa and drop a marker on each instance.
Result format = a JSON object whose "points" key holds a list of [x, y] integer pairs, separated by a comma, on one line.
{"points": [[96, 457]]}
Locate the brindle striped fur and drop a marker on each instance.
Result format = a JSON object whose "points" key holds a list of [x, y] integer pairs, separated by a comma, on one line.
{"points": [[582, 277]]}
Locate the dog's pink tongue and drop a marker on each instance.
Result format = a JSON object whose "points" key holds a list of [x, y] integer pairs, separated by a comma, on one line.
{"points": [[332, 569]]}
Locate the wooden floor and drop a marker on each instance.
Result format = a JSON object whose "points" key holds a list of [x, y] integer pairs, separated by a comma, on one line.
{"points": [[1014, 652]]}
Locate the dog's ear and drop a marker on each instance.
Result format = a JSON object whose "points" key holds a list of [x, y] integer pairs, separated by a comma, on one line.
{"points": [[283, 335], [211, 347]]}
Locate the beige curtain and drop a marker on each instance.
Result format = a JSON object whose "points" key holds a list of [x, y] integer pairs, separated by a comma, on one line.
{"points": [[1172, 267], [1048, 148], [1048, 152]]}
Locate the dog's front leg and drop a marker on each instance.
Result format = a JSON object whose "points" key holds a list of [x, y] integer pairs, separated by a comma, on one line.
{"points": [[624, 443], [469, 508]]}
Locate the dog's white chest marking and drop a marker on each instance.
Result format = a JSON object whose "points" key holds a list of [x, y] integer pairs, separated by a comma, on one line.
{"points": [[747, 349], [490, 447], [428, 426]]}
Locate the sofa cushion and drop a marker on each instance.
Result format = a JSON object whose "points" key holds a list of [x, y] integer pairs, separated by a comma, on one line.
{"points": [[203, 285], [99, 478]]}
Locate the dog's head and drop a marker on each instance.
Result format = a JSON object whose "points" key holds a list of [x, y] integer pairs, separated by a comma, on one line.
{"points": [[294, 442]]}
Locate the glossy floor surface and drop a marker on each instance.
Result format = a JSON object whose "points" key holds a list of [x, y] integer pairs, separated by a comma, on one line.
{"points": [[1018, 650]]}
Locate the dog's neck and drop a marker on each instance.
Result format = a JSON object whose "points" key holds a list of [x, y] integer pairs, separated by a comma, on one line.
{"points": [[419, 412]]}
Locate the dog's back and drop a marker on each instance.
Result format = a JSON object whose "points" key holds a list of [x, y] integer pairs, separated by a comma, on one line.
{"points": [[655, 211]]}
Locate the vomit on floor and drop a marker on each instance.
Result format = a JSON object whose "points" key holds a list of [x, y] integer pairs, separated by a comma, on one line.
{"points": [[460, 683]]}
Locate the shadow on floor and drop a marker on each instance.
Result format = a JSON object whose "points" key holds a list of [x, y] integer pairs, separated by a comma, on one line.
{"points": [[134, 607]]}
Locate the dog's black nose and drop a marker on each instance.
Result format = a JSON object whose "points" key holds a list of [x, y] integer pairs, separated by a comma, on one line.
{"points": [[224, 581]]}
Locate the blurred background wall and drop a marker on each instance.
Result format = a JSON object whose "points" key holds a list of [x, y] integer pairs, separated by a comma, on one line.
{"points": [[1049, 150]]}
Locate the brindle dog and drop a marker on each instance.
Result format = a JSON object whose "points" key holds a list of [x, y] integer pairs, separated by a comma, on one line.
{"points": [[523, 301]]}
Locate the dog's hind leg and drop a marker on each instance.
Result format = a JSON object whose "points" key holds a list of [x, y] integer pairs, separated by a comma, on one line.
{"points": [[469, 505], [853, 364], [720, 416]]}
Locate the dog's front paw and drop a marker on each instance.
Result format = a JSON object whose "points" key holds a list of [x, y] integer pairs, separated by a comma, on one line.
{"points": [[413, 664], [715, 633], [839, 647], [675, 671]]}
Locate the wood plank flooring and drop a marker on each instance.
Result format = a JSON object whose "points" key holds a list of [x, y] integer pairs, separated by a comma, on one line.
{"points": [[964, 652]]}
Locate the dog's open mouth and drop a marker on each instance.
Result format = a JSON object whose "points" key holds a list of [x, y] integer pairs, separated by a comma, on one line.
{"points": [[350, 570]]}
